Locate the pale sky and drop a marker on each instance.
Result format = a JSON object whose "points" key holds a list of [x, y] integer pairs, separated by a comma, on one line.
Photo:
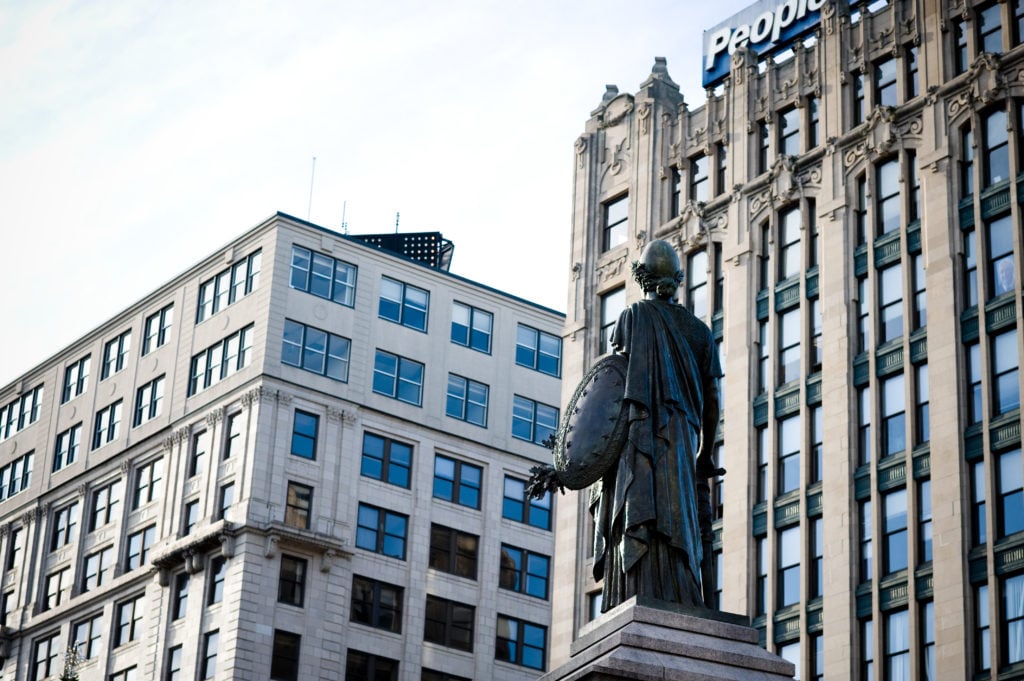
{"points": [[138, 137]]}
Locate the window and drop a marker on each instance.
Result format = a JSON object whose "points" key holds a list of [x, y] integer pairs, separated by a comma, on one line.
{"points": [[1018, 22], [983, 645], [449, 623], [453, 551], [108, 425], [7, 602], [359, 666], [910, 66], [323, 276], [764, 138], [179, 597], [860, 211], [105, 501], [816, 585], [920, 301], [974, 377], [16, 476], [817, 348], [381, 531], [897, 645], [764, 356], [99, 569], [172, 671], [139, 544], [115, 352], [147, 477], [189, 517], [533, 421], [126, 622], [866, 552], [615, 214], [199, 447], [791, 653], [914, 184], [1005, 387], [304, 433], [291, 581], [539, 350], [763, 451], [123, 675], [612, 305], [990, 33], [885, 83], [15, 545], [403, 304], [996, 151], [215, 590], [21, 412], [467, 400], [472, 327], [68, 444], [719, 301], [867, 649], [524, 571], [894, 507], [87, 636], [398, 377], [386, 459], [315, 350], [697, 283], [147, 401], [58, 588], [1013, 616], [979, 519], [894, 417], [156, 328], [790, 261], [298, 505], [966, 162], [228, 286], [761, 587], [220, 360], [65, 521], [208, 663], [721, 166], [922, 420], [814, 123], [1002, 274], [227, 498], [521, 642], [858, 108], [44, 663], [1010, 493], [924, 521], [789, 346], [457, 481], [887, 215], [433, 675], [699, 178], [789, 132], [960, 46], [233, 435], [789, 454], [890, 302], [519, 506], [377, 604], [284, 662], [76, 379], [676, 184], [789, 567]]}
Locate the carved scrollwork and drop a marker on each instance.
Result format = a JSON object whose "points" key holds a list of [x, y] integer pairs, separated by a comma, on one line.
{"points": [[910, 128], [854, 154], [215, 416], [581, 149], [959, 102], [760, 201], [616, 111], [643, 112]]}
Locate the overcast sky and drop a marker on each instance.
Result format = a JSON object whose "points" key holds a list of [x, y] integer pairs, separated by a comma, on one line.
{"points": [[138, 137]]}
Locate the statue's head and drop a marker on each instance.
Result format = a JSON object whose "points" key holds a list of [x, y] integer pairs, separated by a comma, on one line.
{"points": [[657, 271]]}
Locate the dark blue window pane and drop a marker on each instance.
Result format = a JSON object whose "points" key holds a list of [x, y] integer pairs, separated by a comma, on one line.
{"points": [[315, 350], [300, 269]]}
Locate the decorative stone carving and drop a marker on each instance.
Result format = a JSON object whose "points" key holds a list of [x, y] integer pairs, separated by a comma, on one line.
{"points": [[643, 112], [760, 201], [336, 414], [618, 157], [577, 270], [227, 545], [257, 394], [125, 467], [617, 109], [581, 149], [283, 397], [641, 239], [327, 560], [611, 269], [215, 416]]}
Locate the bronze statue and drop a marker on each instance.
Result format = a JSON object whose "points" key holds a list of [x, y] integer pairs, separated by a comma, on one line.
{"points": [[648, 510]]}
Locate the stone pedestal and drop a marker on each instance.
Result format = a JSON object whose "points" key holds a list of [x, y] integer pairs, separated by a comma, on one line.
{"points": [[656, 641]]}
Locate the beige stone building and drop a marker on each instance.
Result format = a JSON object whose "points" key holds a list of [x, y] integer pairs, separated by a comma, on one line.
{"points": [[849, 215], [302, 458]]}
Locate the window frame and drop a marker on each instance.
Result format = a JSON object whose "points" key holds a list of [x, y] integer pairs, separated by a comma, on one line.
{"points": [[462, 406], [449, 629], [390, 468], [406, 311], [379, 530], [448, 553], [395, 383], [458, 482], [377, 604], [346, 284], [518, 573], [329, 355], [471, 334], [156, 328]]}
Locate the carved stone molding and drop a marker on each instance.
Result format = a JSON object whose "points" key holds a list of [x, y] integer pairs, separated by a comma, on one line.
{"points": [[29, 516], [176, 437], [125, 467], [227, 545], [643, 112], [581, 149], [270, 545], [577, 271], [611, 269], [327, 560], [616, 110], [618, 158], [283, 397], [215, 416], [641, 240], [81, 490], [760, 201], [257, 394], [339, 415]]}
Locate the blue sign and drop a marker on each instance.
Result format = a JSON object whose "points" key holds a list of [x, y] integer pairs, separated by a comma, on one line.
{"points": [[765, 27]]}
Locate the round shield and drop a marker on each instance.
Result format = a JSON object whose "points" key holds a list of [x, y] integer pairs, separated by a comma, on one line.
{"points": [[593, 431]]}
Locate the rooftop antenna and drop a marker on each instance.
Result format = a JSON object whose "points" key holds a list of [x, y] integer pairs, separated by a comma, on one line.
{"points": [[397, 216], [344, 225], [309, 208]]}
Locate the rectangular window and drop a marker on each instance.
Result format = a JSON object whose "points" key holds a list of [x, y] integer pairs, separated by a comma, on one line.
{"points": [[719, 272], [867, 650], [298, 505], [68, 444], [233, 435], [860, 211], [139, 545], [887, 203], [323, 276], [386, 460], [612, 305], [107, 426], [789, 346], [449, 623], [1013, 617], [128, 615], [304, 434], [16, 476], [996, 150], [284, 661], [521, 642], [894, 416], [156, 329], [172, 671], [1005, 386], [897, 645], [377, 604], [524, 571], [472, 327], [453, 551], [790, 260], [764, 357], [789, 132], [699, 178], [220, 360], [208, 663], [360, 665], [990, 29], [615, 222], [47, 652], [398, 377], [857, 104], [189, 517], [65, 522], [522, 508], [789, 454], [960, 57], [291, 581], [763, 143], [721, 166], [979, 514], [403, 304], [316, 350], [924, 521], [866, 550], [87, 635], [148, 400], [1018, 22], [457, 481], [99, 569], [914, 184], [983, 644], [966, 163], [381, 531], [676, 185], [816, 573], [228, 286], [434, 675], [761, 585], [1010, 493], [763, 452], [105, 501], [58, 588], [922, 420], [697, 283], [974, 378], [894, 508], [147, 480], [226, 499], [533, 421], [76, 379], [910, 66], [920, 300], [789, 567], [179, 597], [115, 352], [199, 448], [1002, 274], [215, 588], [885, 83], [539, 350], [890, 302], [467, 400], [817, 348], [15, 547]]}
